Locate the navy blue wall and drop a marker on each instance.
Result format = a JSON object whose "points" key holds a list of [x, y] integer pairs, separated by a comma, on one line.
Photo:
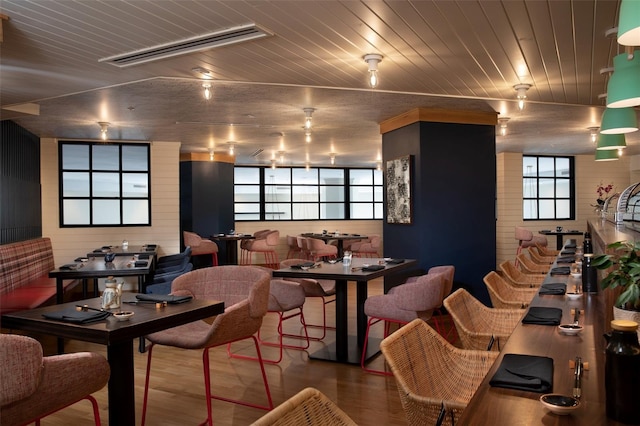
{"points": [[454, 193], [206, 199]]}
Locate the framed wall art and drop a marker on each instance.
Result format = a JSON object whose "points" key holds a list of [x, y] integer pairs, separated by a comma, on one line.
{"points": [[399, 190]]}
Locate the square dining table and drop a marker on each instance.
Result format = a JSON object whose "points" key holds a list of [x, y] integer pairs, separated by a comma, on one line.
{"points": [[118, 336], [348, 349]]}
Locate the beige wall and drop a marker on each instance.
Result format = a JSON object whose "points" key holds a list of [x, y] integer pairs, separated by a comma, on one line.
{"points": [[589, 174]]}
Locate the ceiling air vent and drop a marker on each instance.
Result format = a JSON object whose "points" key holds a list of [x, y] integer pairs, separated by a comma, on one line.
{"points": [[189, 45]]}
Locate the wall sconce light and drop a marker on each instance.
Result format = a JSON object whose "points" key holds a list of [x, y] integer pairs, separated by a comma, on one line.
{"points": [[332, 158], [207, 90], [593, 132], [103, 129], [373, 59], [629, 23], [307, 120], [502, 122], [521, 94]]}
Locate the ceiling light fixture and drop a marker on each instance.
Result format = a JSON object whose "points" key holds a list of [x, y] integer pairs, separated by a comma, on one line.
{"points": [[211, 154], [521, 93], [307, 136], [307, 120], [373, 59], [624, 86], [619, 120], [332, 157], [606, 155], [281, 155], [611, 142], [502, 122], [273, 163], [629, 23], [307, 166], [207, 90], [593, 132], [205, 73], [232, 146], [103, 129], [379, 165]]}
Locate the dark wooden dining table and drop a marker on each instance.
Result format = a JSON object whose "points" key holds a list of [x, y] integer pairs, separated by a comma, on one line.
{"points": [[346, 348], [497, 406], [231, 245], [118, 337], [131, 250], [339, 238]]}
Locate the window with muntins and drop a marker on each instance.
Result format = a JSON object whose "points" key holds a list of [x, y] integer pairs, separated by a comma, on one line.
{"points": [[548, 187], [104, 184]]}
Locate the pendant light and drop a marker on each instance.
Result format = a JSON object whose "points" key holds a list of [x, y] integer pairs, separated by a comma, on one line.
{"points": [[629, 23], [624, 86], [611, 142], [618, 120], [606, 155]]}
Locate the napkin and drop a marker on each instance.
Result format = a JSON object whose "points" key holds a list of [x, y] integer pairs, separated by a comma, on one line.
{"points": [[395, 261], [542, 316], [569, 251], [97, 251], [81, 259], [524, 372], [69, 267], [560, 270], [143, 256], [566, 259], [139, 263], [77, 317], [371, 268], [151, 246], [300, 265], [172, 300], [570, 245], [553, 288]]}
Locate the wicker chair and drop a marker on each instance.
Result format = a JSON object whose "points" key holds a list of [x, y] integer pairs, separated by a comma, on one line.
{"points": [[527, 239], [308, 407], [518, 278], [535, 255], [480, 327], [546, 251], [528, 266], [433, 377], [504, 296]]}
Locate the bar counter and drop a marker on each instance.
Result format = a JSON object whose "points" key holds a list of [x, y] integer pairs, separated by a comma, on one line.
{"points": [[498, 406]]}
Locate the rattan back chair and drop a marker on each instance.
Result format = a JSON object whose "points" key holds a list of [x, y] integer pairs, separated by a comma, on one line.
{"points": [[546, 251], [480, 327], [528, 266], [308, 407], [518, 278], [503, 295], [435, 379], [535, 255]]}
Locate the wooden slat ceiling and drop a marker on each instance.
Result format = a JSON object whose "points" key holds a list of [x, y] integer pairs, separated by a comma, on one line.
{"points": [[462, 54]]}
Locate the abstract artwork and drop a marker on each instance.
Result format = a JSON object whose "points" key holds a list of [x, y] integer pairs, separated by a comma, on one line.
{"points": [[399, 190]]}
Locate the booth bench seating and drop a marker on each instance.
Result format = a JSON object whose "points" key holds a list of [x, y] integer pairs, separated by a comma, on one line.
{"points": [[24, 275]]}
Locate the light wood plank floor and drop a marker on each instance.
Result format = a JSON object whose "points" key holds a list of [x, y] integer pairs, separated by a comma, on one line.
{"points": [[177, 389]]}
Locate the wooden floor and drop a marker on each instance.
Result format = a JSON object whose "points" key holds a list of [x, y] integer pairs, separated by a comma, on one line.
{"points": [[177, 389]]}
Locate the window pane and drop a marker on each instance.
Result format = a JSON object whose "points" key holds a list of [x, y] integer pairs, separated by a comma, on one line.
{"points": [[278, 211], [305, 177], [275, 194], [563, 209], [360, 177], [75, 157], [378, 193], [547, 209], [247, 208], [332, 176], [135, 185], [279, 175], [547, 166], [361, 210], [377, 177], [562, 167], [135, 212], [75, 184], [529, 188], [305, 193], [361, 193], [332, 193], [332, 211], [378, 212], [245, 193], [106, 212], [106, 157], [247, 216], [530, 209], [246, 175], [135, 158], [76, 212], [106, 185], [547, 188], [529, 166], [563, 189], [305, 211]]}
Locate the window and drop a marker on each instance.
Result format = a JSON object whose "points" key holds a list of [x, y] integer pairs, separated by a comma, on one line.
{"points": [[104, 184], [289, 193], [548, 188]]}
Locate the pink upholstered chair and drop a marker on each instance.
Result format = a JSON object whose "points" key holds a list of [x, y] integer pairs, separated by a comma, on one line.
{"points": [[266, 244], [318, 249], [322, 289], [403, 304], [245, 292], [244, 244], [294, 249], [302, 245], [33, 386], [200, 246], [527, 239], [286, 298], [504, 296], [367, 248]]}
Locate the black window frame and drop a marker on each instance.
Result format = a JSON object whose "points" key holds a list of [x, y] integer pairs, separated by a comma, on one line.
{"points": [[572, 191]]}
